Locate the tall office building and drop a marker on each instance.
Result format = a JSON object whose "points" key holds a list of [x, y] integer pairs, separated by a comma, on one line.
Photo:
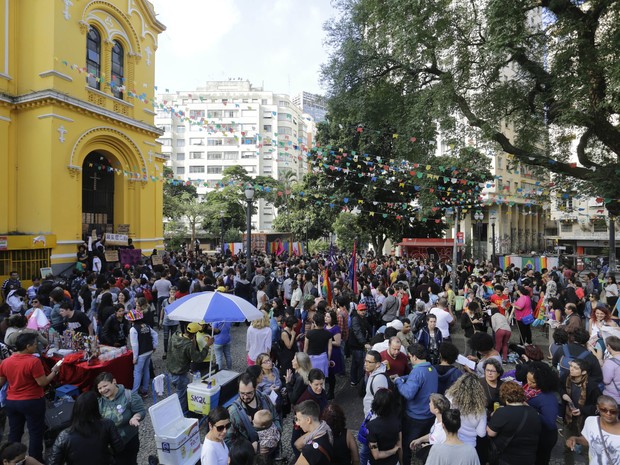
{"points": [[312, 104], [229, 123]]}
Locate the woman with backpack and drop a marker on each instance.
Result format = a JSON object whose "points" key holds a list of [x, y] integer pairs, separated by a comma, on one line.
{"points": [[611, 367]]}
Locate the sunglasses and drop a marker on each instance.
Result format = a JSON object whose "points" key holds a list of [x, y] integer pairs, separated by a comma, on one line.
{"points": [[608, 411], [221, 428]]}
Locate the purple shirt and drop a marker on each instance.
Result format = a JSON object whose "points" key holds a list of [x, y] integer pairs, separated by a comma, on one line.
{"points": [[611, 374]]}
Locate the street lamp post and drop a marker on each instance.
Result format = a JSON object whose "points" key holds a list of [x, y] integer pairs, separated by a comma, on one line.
{"points": [[454, 212], [249, 197], [478, 216], [612, 246], [222, 215], [493, 219]]}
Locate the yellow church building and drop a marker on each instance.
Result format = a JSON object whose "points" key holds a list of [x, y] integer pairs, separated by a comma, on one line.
{"points": [[78, 148]]}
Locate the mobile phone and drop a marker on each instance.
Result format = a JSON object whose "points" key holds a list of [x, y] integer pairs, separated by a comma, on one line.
{"points": [[58, 363]]}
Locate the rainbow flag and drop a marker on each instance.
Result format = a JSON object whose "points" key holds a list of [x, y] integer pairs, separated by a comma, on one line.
{"points": [[488, 290], [326, 287]]}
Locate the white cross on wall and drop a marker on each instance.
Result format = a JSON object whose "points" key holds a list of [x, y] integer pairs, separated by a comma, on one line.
{"points": [[62, 131], [68, 3]]}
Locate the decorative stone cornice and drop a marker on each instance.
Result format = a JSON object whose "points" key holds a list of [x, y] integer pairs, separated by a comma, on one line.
{"points": [[47, 97]]}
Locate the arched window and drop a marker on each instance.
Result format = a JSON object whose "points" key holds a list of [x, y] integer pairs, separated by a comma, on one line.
{"points": [[93, 58], [118, 69]]}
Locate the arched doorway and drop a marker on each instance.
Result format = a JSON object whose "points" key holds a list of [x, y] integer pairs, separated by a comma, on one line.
{"points": [[97, 194]]}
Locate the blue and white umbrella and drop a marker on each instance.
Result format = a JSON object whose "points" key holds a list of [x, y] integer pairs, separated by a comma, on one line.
{"points": [[212, 307]]}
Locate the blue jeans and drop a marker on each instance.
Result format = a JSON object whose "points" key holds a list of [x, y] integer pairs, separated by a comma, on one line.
{"points": [[142, 373], [168, 330], [413, 429], [32, 413], [364, 454], [181, 382], [357, 365], [223, 351]]}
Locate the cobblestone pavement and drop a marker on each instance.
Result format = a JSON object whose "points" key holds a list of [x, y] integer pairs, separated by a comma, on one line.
{"points": [[346, 396]]}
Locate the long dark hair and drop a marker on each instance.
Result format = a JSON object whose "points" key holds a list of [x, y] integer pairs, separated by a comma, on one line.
{"points": [[86, 415]]}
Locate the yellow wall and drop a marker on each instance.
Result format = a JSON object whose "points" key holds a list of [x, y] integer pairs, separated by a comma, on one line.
{"points": [[50, 120]]}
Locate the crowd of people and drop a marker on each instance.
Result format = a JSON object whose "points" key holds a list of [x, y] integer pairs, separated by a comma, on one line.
{"points": [[423, 392]]}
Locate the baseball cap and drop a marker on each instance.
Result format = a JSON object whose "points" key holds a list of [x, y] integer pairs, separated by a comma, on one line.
{"points": [[194, 328], [361, 306], [396, 324]]}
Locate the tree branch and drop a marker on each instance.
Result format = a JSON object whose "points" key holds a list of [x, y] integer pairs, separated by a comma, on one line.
{"points": [[581, 150]]}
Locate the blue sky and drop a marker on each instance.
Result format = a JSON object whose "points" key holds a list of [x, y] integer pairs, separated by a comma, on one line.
{"points": [[275, 43]]}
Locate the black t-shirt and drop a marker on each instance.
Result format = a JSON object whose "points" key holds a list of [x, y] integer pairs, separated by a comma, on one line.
{"points": [[318, 340], [251, 411], [79, 322], [491, 393], [522, 447], [318, 451], [384, 431]]}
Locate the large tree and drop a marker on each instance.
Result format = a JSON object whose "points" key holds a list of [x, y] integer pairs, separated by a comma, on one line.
{"points": [[536, 79], [173, 190]]}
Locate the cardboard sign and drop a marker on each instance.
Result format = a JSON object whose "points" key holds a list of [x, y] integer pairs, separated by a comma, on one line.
{"points": [[45, 272], [157, 260], [116, 239], [111, 255], [122, 229]]}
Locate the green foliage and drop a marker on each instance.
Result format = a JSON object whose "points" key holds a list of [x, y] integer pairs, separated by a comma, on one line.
{"points": [[348, 228], [509, 75], [172, 192], [175, 233]]}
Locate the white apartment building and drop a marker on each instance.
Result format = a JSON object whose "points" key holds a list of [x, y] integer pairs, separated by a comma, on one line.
{"points": [[580, 226], [229, 123]]}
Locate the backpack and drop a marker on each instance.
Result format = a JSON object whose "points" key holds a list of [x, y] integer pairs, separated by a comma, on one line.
{"points": [[147, 294], [391, 386], [398, 401], [418, 321], [567, 357]]}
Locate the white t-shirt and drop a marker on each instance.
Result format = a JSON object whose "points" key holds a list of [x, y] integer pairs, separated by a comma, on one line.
{"points": [[443, 321], [213, 453], [437, 434], [597, 453]]}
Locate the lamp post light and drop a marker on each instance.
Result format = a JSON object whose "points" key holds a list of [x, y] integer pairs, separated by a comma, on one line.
{"points": [[478, 216], [249, 197], [493, 219], [223, 247], [454, 212]]}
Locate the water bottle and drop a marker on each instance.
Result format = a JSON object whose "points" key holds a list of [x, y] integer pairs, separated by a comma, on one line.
{"points": [[197, 378]]}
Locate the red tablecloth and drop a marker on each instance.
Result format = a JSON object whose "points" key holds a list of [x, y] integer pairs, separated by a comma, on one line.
{"points": [[83, 375]]}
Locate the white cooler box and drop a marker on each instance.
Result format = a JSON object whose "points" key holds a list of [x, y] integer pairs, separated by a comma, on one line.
{"points": [[177, 437]]}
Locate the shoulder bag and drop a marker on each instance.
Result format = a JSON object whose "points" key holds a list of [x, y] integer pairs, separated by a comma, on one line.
{"points": [[600, 431], [495, 452]]}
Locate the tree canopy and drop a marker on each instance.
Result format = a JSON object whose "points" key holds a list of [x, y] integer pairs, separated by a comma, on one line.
{"points": [[536, 79]]}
